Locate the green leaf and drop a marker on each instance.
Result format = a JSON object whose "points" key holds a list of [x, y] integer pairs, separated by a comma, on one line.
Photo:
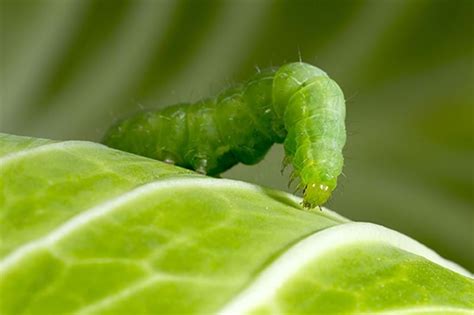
{"points": [[90, 230]]}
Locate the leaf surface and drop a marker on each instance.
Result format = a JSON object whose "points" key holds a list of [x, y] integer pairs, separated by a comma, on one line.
{"points": [[90, 230]]}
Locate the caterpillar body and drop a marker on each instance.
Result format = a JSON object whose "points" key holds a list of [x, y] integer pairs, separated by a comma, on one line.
{"points": [[296, 104]]}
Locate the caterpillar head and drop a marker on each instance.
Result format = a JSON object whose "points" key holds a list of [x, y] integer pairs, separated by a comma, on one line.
{"points": [[316, 194], [318, 187]]}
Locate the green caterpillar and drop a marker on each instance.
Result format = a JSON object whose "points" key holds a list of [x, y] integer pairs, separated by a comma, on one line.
{"points": [[297, 104]]}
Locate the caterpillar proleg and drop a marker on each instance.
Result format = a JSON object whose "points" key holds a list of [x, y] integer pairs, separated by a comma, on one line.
{"points": [[296, 104]]}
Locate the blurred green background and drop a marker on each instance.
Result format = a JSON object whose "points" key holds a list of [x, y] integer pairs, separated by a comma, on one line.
{"points": [[69, 68]]}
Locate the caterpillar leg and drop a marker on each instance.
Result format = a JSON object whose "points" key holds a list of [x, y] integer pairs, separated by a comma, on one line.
{"points": [[294, 175], [201, 167], [286, 161], [169, 161]]}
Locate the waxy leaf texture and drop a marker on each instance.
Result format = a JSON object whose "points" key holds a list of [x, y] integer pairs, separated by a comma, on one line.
{"points": [[90, 230]]}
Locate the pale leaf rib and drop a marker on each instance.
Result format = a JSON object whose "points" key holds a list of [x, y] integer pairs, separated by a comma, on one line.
{"points": [[88, 216], [12, 157], [265, 286], [122, 294], [135, 288], [81, 220], [426, 310]]}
